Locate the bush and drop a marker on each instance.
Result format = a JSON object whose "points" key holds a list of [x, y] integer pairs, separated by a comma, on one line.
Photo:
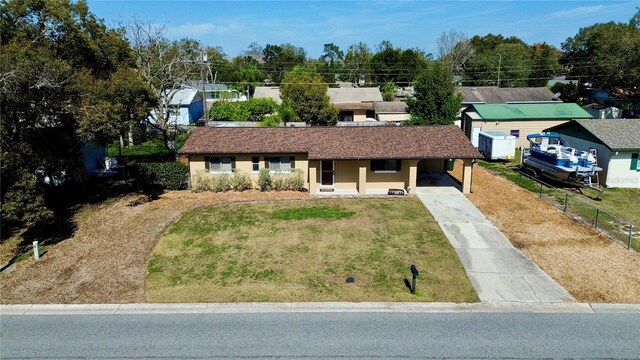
{"points": [[241, 181], [170, 175], [291, 181], [270, 121], [202, 181], [264, 180], [250, 110], [222, 183]]}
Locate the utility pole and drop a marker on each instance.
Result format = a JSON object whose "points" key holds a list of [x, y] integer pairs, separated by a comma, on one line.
{"points": [[499, 65], [203, 59]]}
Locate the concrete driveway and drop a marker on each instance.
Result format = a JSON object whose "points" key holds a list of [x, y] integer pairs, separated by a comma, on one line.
{"points": [[498, 271]]}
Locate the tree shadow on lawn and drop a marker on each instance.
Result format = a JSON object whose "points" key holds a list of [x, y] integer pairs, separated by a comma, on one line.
{"points": [[67, 200]]}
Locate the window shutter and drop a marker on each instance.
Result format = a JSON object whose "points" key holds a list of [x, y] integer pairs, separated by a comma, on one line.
{"points": [[399, 162], [207, 163], [266, 162], [233, 164], [634, 162], [292, 159]]}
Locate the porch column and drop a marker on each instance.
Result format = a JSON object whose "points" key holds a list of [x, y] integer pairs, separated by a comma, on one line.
{"points": [[362, 177], [466, 176], [313, 177], [413, 176]]}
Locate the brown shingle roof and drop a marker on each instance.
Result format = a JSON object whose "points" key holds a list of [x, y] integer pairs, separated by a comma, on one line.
{"points": [[391, 107], [376, 142]]}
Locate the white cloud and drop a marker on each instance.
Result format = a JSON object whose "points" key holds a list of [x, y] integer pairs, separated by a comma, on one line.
{"points": [[583, 10], [193, 30]]}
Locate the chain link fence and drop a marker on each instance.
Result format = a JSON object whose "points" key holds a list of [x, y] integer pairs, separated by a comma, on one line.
{"points": [[614, 227]]}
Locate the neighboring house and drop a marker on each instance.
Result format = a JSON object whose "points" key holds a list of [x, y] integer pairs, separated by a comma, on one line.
{"points": [[272, 92], [217, 92], [355, 104], [185, 105], [345, 84], [405, 93], [617, 143], [494, 95], [518, 120], [393, 111], [342, 160], [599, 111]]}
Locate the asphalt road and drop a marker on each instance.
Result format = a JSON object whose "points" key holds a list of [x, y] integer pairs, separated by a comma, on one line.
{"points": [[322, 335]]}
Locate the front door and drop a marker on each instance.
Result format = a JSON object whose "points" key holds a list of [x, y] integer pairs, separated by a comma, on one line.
{"points": [[326, 172]]}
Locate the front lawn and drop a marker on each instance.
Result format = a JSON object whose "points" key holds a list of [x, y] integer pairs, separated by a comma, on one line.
{"points": [[304, 251]]}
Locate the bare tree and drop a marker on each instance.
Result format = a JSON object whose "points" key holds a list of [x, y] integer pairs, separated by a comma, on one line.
{"points": [[166, 66], [454, 48]]}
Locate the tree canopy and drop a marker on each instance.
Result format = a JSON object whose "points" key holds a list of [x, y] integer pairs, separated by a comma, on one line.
{"points": [[66, 80], [608, 55], [436, 99], [305, 91]]}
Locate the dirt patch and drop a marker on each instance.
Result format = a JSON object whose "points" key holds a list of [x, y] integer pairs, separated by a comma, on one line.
{"points": [[106, 259], [590, 266]]}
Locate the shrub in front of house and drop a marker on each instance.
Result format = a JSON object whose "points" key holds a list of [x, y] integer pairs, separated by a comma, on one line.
{"points": [[264, 180], [170, 175], [222, 183], [241, 181], [288, 181], [202, 181]]}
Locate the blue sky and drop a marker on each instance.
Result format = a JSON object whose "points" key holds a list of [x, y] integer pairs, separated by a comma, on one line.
{"points": [[234, 25]]}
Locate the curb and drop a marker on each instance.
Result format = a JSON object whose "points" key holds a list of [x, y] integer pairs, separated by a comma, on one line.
{"points": [[313, 307]]}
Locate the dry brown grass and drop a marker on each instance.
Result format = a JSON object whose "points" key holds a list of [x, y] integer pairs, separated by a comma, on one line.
{"points": [[106, 259], [590, 266]]}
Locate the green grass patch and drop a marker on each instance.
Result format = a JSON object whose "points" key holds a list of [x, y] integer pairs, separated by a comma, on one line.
{"points": [[304, 251], [312, 213]]}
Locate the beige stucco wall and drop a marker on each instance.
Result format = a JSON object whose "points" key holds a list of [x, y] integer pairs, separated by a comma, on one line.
{"points": [[393, 117], [398, 179], [243, 163], [346, 174], [526, 127], [359, 115], [620, 173]]}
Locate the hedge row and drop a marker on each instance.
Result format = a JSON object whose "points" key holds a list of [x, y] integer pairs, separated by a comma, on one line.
{"points": [[171, 175]]}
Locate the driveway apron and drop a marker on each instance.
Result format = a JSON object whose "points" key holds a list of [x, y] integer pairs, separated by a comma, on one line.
{"points": [[498, 271]]}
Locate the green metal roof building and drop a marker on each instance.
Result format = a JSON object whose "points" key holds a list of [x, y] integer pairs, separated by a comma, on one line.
{"points": [[567, 111], [518, 120]]}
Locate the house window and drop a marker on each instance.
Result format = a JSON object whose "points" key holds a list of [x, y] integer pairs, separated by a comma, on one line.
{"points": [[281, 164], [255, 164], [515, 133], [385, 166], [220, 165], [635, 164]]}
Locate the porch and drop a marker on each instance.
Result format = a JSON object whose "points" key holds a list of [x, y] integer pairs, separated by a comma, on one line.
{"points": [[376, 177]]}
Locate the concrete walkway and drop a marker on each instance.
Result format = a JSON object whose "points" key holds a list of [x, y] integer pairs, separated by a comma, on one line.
{"points": [[498, 271]]}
